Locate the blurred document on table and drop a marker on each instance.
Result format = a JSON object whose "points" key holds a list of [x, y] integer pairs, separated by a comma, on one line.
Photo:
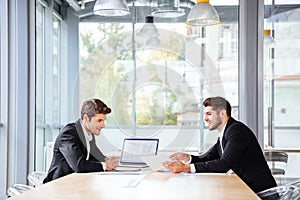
{"points": [[155, 162]]}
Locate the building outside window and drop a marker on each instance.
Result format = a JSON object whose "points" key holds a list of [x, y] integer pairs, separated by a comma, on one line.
{"points": [[282, 79]]}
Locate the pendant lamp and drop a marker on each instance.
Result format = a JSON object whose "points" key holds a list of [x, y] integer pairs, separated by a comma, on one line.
{"points": [[153, 42], [203, 14], [149, 29], [111, 8], [168, 9]]}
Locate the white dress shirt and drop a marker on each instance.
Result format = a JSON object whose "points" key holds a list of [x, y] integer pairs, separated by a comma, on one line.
{"points": [[192, 166], [221, 137], [89, 138]]}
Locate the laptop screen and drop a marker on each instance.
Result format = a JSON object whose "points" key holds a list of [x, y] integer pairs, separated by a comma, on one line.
{"points": [[134, 148]]}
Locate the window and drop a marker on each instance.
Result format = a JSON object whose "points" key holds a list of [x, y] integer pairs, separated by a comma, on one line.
{"points": [[282, 75], [3, 135], [40, 86], [157, 84], [56, 71], [48, 83], [282, 80]]}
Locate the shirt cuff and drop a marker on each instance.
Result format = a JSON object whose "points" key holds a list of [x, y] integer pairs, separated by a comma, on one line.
{"points": [[103, 165], [193, 169], [190, 160]]}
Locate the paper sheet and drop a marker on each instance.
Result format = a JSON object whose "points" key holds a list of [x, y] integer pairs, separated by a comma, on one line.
{"points": [[155, 162]]}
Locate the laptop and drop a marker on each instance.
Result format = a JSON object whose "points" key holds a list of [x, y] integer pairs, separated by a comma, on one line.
{"points": [[134, 148]]}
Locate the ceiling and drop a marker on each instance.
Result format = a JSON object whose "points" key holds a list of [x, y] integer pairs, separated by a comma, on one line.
{"points": [[142, 8]]}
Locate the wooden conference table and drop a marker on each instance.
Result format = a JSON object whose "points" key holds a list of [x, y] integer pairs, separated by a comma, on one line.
{"points": [[156, 185]]}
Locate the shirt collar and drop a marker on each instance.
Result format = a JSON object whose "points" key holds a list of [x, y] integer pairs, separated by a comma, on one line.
{"points": [[222, 132], [88, 137]]}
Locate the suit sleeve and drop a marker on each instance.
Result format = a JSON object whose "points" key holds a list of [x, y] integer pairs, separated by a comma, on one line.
{"points": [[211, 154], [70, 147], [237, 140]]}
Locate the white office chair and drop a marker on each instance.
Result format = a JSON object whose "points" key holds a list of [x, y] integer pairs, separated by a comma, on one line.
{"points": [[296, 183], [17, 189], [36, 178], [284, 192], [277, 162]]}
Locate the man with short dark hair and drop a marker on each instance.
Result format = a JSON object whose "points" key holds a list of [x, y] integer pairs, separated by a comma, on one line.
{"points": [[237, 149], [75, 149]]}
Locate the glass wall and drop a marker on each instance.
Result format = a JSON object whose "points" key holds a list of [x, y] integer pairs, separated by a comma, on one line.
{"points": [[40, 85], [155, 83], [48, 83], [3, 99], [2, 158], [282, 72], [56, 71], [282, 77]]}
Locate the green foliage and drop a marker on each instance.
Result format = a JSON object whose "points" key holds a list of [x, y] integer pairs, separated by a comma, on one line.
{"points": [[100, 76], [88, 43]]}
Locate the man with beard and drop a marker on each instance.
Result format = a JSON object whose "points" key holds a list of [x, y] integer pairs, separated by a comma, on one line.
{"points": [[237, 149]]}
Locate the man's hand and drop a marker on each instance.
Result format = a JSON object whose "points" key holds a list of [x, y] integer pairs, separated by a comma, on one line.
{"points": [[177, 166], [111, 163], [180, 157]]}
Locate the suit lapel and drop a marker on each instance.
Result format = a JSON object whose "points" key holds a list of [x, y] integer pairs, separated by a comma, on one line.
{"points": [[229, 122], [81, 135]]}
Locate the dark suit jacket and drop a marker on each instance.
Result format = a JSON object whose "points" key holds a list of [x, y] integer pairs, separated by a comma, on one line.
{"points": [[242, 154], [70, 153]]}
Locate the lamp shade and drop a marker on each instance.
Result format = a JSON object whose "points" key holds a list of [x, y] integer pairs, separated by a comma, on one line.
{"points": [[203, 14], [153, 42], [268, 39], [111, 8], [149, 29], [168, 12], [168, 9]]}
